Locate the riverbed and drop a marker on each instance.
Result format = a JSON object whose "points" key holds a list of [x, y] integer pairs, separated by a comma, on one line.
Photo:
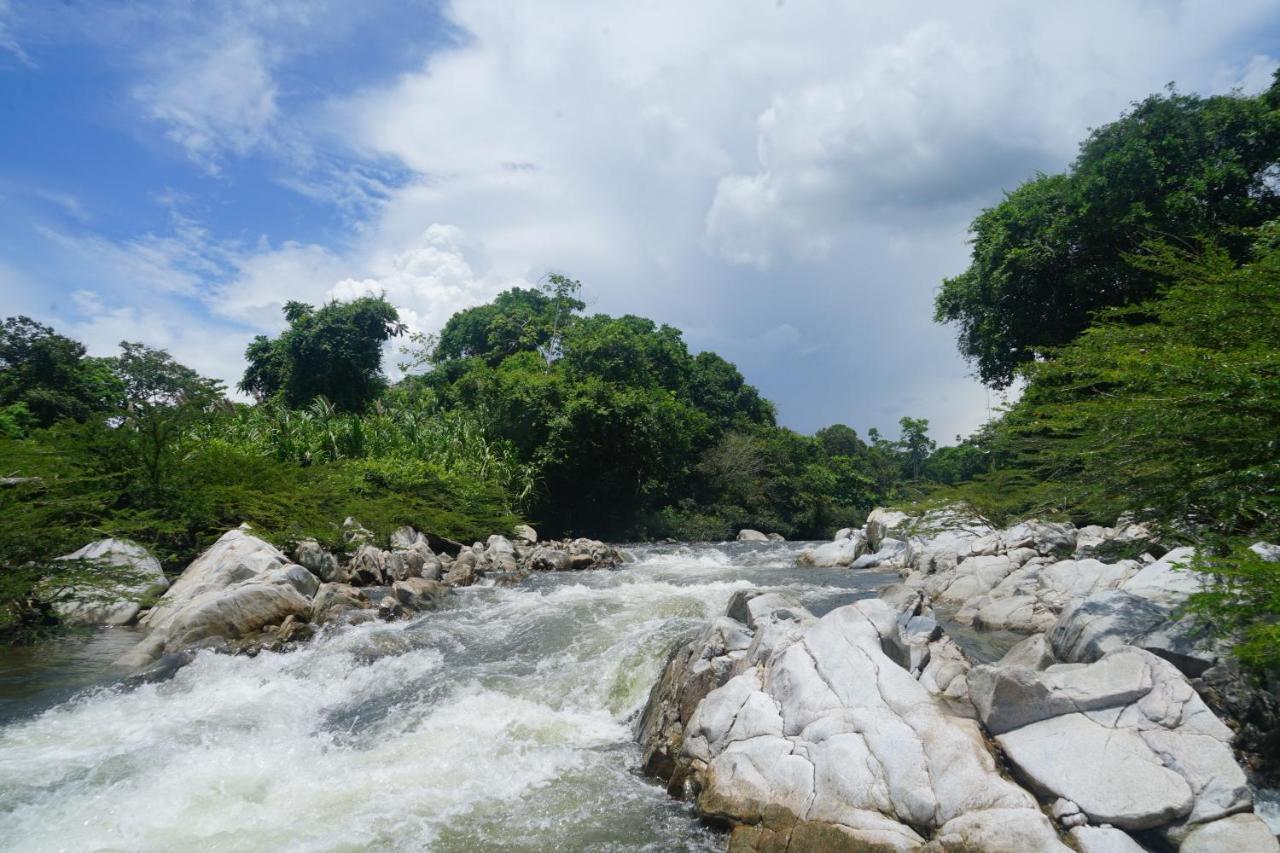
{"points": [[501, 722]]}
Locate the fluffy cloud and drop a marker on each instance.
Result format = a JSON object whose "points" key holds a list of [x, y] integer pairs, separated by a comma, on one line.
{"points": [[428, 283], [788, 182], [740, 167]]}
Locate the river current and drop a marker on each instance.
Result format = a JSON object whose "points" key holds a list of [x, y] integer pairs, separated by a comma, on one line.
{"points": [[501, 722]]}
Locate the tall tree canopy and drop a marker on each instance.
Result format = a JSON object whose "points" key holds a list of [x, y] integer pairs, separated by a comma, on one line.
{"points": [[334, 352], [46, 376], [1176, 167], [612, 411]]}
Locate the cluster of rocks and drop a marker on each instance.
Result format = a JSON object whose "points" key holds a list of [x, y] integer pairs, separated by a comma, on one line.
{"points": [[243, 594], [871, 729]]}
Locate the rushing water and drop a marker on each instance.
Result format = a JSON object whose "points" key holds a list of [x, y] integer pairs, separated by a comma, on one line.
{"points": [[502, 722]]}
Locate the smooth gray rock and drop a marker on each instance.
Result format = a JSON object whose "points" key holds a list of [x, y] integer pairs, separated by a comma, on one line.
{"points": [[335, 601], [237, 587], [525, 534], [114, 601], [1046, 537], [1088, 630], [314, 558], [881, 522], [1168, 581], [834, 554], [751, 536], [997, 831], [1110, 773], [1032, 653], [1098, 839], [1126, 738], [1234, 834]]}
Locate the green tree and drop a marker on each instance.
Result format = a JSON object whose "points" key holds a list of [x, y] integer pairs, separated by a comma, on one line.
{"points": [[915, 445], [334, 352], [1053, 252], [520, 319], [49, 376]]}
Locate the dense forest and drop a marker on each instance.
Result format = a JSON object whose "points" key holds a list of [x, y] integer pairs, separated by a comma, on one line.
{"points": [[521, 409], [1136, 299], [1133, 301]]}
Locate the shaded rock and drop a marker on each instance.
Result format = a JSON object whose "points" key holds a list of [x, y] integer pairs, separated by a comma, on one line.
{"points": [[548, 560], [294, 630], [1099, 839], [405, 538], [419, 594], [1088, 630], [367, 567], [525, 534], [335, 601], [116, 600], [880, 523], [309, 554], [463, 570], [1032, 653], [1046, 537], [354, 533], [892, 552], [693, 670], [777, 537]]}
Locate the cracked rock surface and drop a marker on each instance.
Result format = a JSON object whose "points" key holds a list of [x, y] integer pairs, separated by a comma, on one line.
{"points": [[817, 739]]}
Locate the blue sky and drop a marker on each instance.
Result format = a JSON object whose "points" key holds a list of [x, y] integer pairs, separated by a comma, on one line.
{"points": [[788, 182]]}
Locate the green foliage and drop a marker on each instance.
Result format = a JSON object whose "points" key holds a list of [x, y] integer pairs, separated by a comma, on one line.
{"points": [[519, 320], [333, 352], [1171, 405], [45, 377], [610, 413], [1054, 251], [1241, 600]]}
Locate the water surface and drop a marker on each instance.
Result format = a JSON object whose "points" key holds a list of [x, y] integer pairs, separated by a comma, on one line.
{"points": [[502, 722]]}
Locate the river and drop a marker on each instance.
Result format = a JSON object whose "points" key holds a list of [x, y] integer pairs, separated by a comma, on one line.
{"points": [[501, 722]]}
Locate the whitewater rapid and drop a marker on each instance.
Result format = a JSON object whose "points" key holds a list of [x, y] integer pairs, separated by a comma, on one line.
{"points": [[501, 722]]}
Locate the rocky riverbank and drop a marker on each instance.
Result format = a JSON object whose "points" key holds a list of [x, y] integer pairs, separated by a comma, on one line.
{"points": [[870, 729], [244, 594]]}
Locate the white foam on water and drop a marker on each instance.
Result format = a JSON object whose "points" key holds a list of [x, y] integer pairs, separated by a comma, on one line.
{"points": [[501, 722]]}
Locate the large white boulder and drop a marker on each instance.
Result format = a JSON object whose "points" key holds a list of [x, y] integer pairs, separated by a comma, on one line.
{"points": [[1167, 582], [881, 522], [842, 552], [237, 587], [1046, 537], [829, 743], [746, 535], [1127, 739], [113, 601]]}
